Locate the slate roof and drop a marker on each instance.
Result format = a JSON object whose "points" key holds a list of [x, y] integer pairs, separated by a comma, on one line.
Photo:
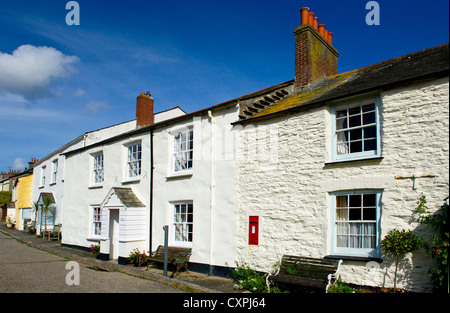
{"points": [[433, 62]]}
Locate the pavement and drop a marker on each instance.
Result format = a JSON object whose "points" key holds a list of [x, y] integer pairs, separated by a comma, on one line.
{"points": [[187, 281]]}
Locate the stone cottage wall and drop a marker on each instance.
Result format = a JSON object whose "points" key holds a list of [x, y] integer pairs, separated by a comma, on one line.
{"points": [[282, 177]]}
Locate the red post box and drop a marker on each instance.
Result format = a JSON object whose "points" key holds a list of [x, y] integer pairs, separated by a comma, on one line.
{"points": [[253, 230]]}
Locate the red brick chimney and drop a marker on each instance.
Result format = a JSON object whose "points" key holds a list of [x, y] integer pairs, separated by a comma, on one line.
{"points": [[315, 56], [144, 109]]}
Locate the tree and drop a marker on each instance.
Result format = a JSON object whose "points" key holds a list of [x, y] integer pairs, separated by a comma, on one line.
{"points": [[46, 208], [35, 209], [397, 243], [5, 197]]}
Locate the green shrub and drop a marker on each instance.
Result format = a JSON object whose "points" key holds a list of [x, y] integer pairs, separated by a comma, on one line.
{"points": [[249, 279], [397, 243], [340, 287]]}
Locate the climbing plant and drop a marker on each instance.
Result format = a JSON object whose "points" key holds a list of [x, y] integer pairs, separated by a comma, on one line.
{"points": [[438, 223]]}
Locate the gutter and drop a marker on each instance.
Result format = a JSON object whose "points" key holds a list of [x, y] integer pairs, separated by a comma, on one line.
{"points": [[151, 195]]}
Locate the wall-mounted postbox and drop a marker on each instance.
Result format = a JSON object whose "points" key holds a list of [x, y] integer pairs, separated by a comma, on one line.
{"points": [[253, 231]]}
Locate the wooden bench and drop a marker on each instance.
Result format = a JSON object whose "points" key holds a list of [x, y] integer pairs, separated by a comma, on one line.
{"points": [[308, 272], [176, 256]]}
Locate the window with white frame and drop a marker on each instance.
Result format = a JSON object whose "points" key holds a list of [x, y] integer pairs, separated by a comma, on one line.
{"points": [[43, 175], [97, 221], [134, 160], [356, 218], [98, 174], [183, 223], [183, 150], [54, 171], [356, 130]]}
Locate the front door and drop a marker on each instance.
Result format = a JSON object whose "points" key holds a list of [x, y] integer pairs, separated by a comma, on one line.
{"points": [[114, 233]]}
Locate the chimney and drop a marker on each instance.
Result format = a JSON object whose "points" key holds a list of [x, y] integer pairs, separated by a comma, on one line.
{"points": [[144, 109], [31, 163], [315, 56]]}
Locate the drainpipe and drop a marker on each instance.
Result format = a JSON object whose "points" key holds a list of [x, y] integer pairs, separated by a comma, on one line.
{"points": [[151, 195], [213, 196]]}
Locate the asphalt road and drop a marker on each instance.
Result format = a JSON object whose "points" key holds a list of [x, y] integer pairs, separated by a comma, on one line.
{"points": [[26, 269]]}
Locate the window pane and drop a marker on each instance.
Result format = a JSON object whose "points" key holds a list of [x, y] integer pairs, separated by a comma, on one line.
{"points": [[354, 111], [369, 214], [369, 118], [342, 148], [355, 134], [341, 201], [355, 201], [341, 123], [370, 132], [369, 200], [341, 113], [342, 214], [355, 146], [368, 107], [355, 214], [355, 121], [370, 145]]}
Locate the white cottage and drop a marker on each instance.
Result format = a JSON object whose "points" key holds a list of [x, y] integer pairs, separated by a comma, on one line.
{"points": [[49, 174], [107, 187], [330, 169]]}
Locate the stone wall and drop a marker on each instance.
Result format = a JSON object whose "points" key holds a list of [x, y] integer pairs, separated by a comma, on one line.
{"points": [[283, 177]]}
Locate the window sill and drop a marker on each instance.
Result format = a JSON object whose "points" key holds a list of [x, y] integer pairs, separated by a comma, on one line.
{"points": [[95, 239], [180, 175], [375, 158], [354, 258], [95, 187], [132, 180]]}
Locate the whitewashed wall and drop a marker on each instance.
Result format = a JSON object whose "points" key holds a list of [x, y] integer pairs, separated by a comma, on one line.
{"points": [[290, 190], [81, 195], [55, 187], [211, 187]]}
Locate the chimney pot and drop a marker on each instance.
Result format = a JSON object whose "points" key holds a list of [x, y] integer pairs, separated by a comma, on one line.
{"points": [[322, 29], [316, 23], [305, 15], [311, 18]]}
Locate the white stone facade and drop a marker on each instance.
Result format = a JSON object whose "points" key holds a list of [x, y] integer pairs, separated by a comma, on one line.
{"points": [[290, 190]]}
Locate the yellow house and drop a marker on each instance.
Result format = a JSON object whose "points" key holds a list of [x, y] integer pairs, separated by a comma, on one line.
{"points": [[21, 195]]}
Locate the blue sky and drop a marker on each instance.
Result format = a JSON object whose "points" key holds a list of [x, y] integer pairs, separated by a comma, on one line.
{"points": [[58, 81]]}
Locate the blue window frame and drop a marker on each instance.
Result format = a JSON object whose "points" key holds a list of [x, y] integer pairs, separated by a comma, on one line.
{"points": [[355, 217], [356, 129]]}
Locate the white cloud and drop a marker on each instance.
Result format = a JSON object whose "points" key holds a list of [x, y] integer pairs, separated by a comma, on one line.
{"points": [[95, 106], [30, 71], [19, 164], [79, 92]]}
